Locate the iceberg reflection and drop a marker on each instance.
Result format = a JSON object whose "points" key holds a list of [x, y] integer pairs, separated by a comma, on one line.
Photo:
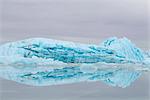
{"points": [[113, 74]]}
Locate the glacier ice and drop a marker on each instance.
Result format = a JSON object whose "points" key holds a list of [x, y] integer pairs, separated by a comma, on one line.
{"points": [[41, 62]]}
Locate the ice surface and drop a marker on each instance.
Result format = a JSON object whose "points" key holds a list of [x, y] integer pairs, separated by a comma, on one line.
{"points": [[40, 62]]}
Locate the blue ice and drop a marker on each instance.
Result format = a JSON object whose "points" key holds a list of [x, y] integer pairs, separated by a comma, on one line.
{"points": [[42, 62]]}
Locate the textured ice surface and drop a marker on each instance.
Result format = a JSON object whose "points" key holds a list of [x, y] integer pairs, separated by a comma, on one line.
{"points": [[40, 62]]}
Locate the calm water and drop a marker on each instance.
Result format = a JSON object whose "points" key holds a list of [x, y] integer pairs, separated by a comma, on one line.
{"points": [[139, 90], [81, 21]]}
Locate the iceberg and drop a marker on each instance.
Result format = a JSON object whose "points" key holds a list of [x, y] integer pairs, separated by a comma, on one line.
{"points": [[42, 62]]}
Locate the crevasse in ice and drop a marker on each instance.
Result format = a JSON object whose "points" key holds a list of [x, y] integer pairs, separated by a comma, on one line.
{"points": [[41, 61]]}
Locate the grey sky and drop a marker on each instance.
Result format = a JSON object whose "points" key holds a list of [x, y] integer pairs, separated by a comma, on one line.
{"points": [[87, 21], [76, 20]]}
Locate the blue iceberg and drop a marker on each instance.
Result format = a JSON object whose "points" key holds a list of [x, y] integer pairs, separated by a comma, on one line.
{"points": [[41, 62]]}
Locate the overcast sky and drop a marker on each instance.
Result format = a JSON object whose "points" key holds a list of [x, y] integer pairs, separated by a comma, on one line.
{"points": [[87, 21]]}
